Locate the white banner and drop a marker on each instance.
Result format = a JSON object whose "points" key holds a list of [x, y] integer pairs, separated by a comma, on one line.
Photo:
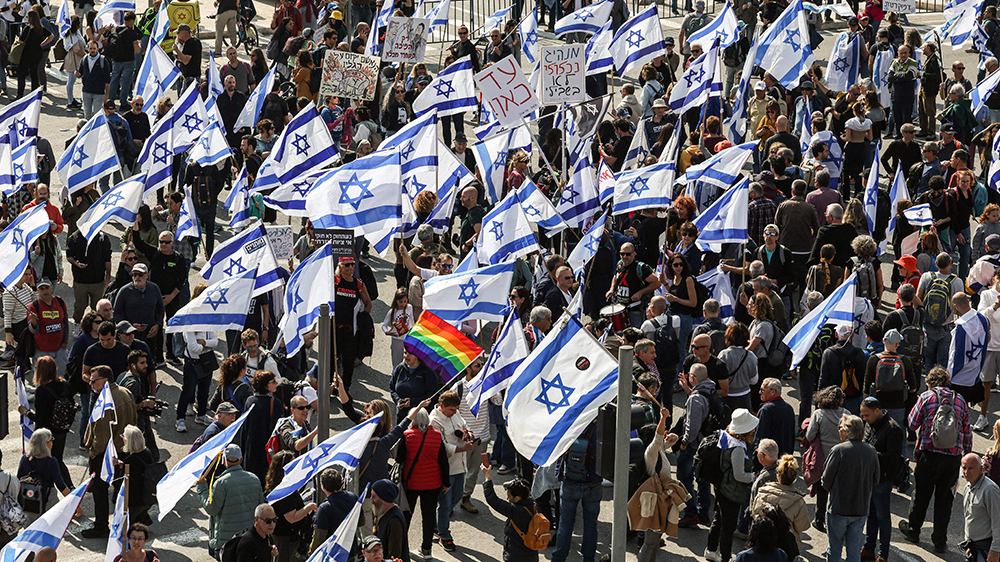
{"points": [[506, 91], [563, 74], [900, 6], [406, 39]]}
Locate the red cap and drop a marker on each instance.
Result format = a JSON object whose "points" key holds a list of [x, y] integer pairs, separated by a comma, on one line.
{"points": [[346, 259]]}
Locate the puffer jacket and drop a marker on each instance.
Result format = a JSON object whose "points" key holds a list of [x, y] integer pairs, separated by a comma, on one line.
{"points": [[788, 499], [234, 496]]}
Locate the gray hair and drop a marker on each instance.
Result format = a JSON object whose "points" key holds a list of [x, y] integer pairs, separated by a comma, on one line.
{"points": [[756, 188], [135, 442], [772, 384], [538, 313], [711, 306], [425, 232], [38, 445], [815, 298], [854, 426], [763, 282], [167, 233], [643, 344], [957, 90], [421, 420], [756, 268], [835, 211], [992, 61], [261, 510], [769, 448]]}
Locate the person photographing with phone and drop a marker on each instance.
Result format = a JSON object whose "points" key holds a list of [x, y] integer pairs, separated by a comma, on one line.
{"points": [[457, 440]]}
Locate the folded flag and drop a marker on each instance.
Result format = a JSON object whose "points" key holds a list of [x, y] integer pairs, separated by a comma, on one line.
{"points": [[588, 19], [638, 40], [478, 294], [508, 352], [441, 346], [157, 72], [103, 403], [598, 51], [255, 103], [528, 28], [223, 306], [119, 524], [17, 239]]}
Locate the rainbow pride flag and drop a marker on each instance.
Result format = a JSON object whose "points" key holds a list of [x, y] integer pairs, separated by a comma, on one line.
{"points": [[440, 345]]}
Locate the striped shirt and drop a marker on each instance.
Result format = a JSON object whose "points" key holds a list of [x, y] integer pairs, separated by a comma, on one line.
{"points": [[478, 425], [13, 311]]}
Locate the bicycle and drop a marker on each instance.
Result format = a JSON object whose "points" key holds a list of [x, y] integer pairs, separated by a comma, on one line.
{"points": [[246, 32]]}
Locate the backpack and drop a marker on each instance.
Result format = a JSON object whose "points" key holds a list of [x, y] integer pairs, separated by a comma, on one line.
{"points": [[293, 45], [575, 464], [778, 353], [867, 286], [890, 376], [114, 48], [818, 278], [128, 150], [666, 343], [913, 334], [813, 461], [274, 443], [538, 534], [944, 426], [701, 295], [315, 77], [228, 553], [201, 191], [708, 460], [993, 42], [849, 381], [32, 495], [12, 517], [719, 412], [64, 412], [937, 302], [695, 22]]}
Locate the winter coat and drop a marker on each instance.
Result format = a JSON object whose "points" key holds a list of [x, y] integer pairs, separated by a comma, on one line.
{"points": [[788, 499], [656, 505], [234, 496]]}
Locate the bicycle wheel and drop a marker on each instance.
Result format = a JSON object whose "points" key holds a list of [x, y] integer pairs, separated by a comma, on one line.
{"points": [[250, 42]]}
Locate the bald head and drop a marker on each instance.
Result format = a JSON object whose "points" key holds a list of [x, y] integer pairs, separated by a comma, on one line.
{"points": [[781, 124], [658, 305], [701, 346], [46, 554], [469, 197], [972, 468]]}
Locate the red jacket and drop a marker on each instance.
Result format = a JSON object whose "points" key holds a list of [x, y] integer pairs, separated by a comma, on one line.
{"points": [[53, 212], [429, 473]]}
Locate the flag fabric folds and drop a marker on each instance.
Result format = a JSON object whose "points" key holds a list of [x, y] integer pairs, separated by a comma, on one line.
{"points": [[452, 91], [119, 524], [22, 117], [723, 169], [240, 203], [187, 220], [845, 61], [338, 547], [478, 294], [108, 465], [693, 88], [47, 530], [27, 425], [721, 289], [588, 19], [90, 156], [438, 16], [506, 233], [305, 145], [528, 28], [897, 193], [120, 204], [17, 239], [588, 246], [725, 221], [102, 404], [784, 50], [245, 251], [211, 147], [837, 309], [579, 200], [440, 345], [646, 188], [157, 156], [255, 103], [724, 27], [539, 208], [223, 306], [983, 91], [189, 118], [157, 72], [310, 285], [598, 51], [638, 40], [919, 215], [509, 351]]}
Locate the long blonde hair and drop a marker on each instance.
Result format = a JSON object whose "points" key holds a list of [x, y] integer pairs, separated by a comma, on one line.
{"points": [[995, 449]]}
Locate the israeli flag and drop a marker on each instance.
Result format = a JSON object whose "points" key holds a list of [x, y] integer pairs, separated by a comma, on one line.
{"points": [[157, 157], [255, 103], [112, 12], [638, 40], [418, 148], [215, 89], [479, 294], [383, 17], [506, 233], [245, 251], [189, 119], [528, 28], [509, 351], [338, 547], [842, 70], [871, 189], [47, 530], [371, 44], [63, 18], [108, 464], [184, 474], [837, 309], [454, 177], [452, 91], [119, 524], [897, 193], [724, 27], [588, 246], [7, 185], [120, 204], [539, 208], [160, 26], [735, 126], [919, 215], [556, 392], [880, 73], [223, 306], [962, 29], [157, 72], [495, 21], [309, 286], [835, 162], [343, 449], [438, 16], [17, 239], [304, 146], [805, 130], [103, 403], [363, 196], [187, 219], [983, 91], [967, 352], [671, 152], [645, 188], [598, 50], [27, 425], [784, 49], [994, 171], [725, 221], [21, 117], [24, 162], [588, 19], [721, 289], [491, 156], [723, 169], [90, 156], [211, 147], [579, 201], [639, 148], [290, 198], [240, 207], [979, 39], [605, 181]]}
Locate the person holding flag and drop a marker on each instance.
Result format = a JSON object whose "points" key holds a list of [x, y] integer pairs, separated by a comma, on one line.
{"points": [[233, 500]]}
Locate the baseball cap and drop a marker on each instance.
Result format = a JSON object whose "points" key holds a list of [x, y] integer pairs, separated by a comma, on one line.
{"points": [[948, 128], [124, 327], [226, 408], [853, 20], [699, 5], [892, 336], [183, 27], [844, 330], [760, 86], [44, 281], [110, 104], [370, 541], [140, 268], [993, 241], [669, 41], [233, 452], [423, 79], [807, 85], [460, 137]]}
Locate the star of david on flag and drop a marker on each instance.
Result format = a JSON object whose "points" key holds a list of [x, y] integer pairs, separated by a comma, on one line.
{"points": [[211, 147], [223, 306], [511, 233], [478, 294], [724, 27], [588, 19], [189, 119], [120, 204], [308, 287], [451, 92], [157, 72], [303, 147], [588, 246], [528, 28], [637, 41], [90, 156], [783, 50], [245, 251], [17, 239]]}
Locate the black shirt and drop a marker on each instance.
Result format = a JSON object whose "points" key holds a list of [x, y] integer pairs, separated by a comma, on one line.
{"points": [[127, 37], [255, 314], [620, 151], [717, 369], [902, 154], [288, 504], [115, 358], [95, 256], [230, 107], [193, 68], [138, 123], [253, 547], [169, 272]]}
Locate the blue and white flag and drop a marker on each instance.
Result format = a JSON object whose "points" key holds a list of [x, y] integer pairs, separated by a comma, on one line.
{"points": [[90, 156], [255, 103], [63, 19], [343, 449], [491, 155], [119, 524], [27, 425], [693, 88], [47, 530], [598, 50], [967, 352], [919, 215], [211, 147], [835, 161], [871, 189], [453, 178], [495, 21], [897, 193], [579, 200], [719, 288], [120, 204], [157, 156], [108, 463], [478, 294], [880, 73], [965, 22], [112, 12], [638, 40], [556, 392], [588, 19], [805, 130], [157, 72], [245, 251], [528, 28], [21, 118], [506, 233], [725, 221], [161, 25], [17, 239], [388, 8], [646, 188], [639, 148], [187, 220], [7, 185], [836, 309], [172, 487], [605, 181], [371, 43], [452, 91], [24, 162], [223, 306], [993, 175], [724, 27], [189, 118], [290, 198], [338, 547], [303, 147], [240, 206], [438, 16], [784, 49], [509, 351], [103, 403], [587, 248], [215, 89], [363, 196], [845, 61], [309, 287], [735, 126], [979, 40], [539, 208], [983, 91], [721, 170]]}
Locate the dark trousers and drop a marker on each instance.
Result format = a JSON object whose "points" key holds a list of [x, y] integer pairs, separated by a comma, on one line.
{"points": [[347, 351], [169, 311], [145, 424], [58, 446], [902, 112], [720, 535], [99, 489], [935, 475], [879, 520], [821, 498], [193, 388], [448, 122], [807, 387], [155, 344], [428, 512], [548, 505], [206, 216], [32, 71], [854, 163]]}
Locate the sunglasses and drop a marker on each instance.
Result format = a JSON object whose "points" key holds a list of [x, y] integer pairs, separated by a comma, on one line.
{"points": [[770, 234], [569, 278], [166, 241], [137, 274], [627, 253], [269, 520], [445, 265], [130, 259], [699, 346], [300, 408], [348, 264], [678, 264]]}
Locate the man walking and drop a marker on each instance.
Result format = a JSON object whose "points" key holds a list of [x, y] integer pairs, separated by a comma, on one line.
{"points": [[225, 18], [230, 500], [887, 437], [981, 507], [122, 48], [966, 355], [850, 474]]}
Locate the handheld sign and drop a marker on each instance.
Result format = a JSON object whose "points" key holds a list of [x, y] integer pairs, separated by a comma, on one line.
{"points": [[563, 74], [506, 92]]}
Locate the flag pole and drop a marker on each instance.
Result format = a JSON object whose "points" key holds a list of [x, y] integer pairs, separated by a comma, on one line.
{"points": [[619, 524], [563, 157], [540, 152], [125, 483], [325, 361]]}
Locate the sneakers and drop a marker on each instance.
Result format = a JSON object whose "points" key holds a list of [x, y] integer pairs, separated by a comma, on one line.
{"points": [[203, 420], [688, 522], [96, 533], [503, 471], [425, 553], [819, 525], [704, 520], [605, 483], [713, 556], [449, 545], [867, 555], [467, 505], [980, 423], [190, 410], [174, 361], [910, 534], [180, 426]]}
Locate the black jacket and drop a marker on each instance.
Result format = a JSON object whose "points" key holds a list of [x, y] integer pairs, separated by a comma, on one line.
{"points": [[887, 438], [518, 514]]}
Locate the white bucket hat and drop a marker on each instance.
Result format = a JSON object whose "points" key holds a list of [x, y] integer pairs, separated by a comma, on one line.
{"points": [[743, 422]]}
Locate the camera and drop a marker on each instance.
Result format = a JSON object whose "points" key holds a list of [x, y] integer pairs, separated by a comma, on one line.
{"points": [[156, 409]]}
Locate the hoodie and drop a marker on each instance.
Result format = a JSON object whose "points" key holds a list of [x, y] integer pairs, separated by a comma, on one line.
{"points": [[696, 412], [632, 103]]}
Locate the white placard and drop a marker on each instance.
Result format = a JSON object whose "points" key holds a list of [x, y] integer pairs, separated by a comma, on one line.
{"points": [[506, 91], [900, 6], [563, 74], [281, 238], [406, 39]]}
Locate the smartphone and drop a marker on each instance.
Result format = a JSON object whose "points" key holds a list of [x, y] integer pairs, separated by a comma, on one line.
{"points": [[486, 460]]}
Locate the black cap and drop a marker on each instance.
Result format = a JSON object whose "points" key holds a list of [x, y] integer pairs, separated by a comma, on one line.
{"points": [[947, 128], [460, 137]]}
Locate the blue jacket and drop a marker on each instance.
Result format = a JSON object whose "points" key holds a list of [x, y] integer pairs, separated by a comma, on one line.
{"points": [[94, 81]]}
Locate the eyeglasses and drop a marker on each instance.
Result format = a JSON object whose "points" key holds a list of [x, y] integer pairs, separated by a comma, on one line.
{"points": [[770, 233], [130, 259], [626, 253], [567, 278], [269, 520], [300, 408], [445, 265], [908, 132], [678, 264], [166, 241], [137, 274], [699, 346]]}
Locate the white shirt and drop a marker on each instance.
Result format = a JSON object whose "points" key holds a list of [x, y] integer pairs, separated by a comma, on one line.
{"points": [[986, 300], [856, 124], [649, 329], [195, 349]]}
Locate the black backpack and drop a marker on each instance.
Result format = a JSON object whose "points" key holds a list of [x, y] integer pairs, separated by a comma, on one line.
{"points": [[666, 343], [912, 345], [701, 295], [114, 48], [229, 549], [575, 464], [315, 77], [708, 460], [993, 42], [719, 412], [33, 495], [64, 412]]}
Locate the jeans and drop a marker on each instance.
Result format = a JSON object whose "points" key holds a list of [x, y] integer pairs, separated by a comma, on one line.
{"points": [[121, 80], [935, 475], [91, 103], [70, 84], [936, 347], [650, 546], [683, 338], [193, 389], [880, 519], [964, 253], [206, 216], [361, 14], [588, 496], [636, 316], [699, 503], [503, 451], [86, 400], [845, 531], [60, 356], [447, 502], [473, 463]]}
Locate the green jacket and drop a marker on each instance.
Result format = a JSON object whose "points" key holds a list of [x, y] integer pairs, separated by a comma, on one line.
{"points": [[960, 115], [235, 495]]}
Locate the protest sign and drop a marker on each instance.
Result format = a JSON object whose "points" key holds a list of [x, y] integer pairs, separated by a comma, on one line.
{"points": [[341, 240], [900, 6], [406, 39], [281, 238], [506, 91], [349, 75], [563, 74]]}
